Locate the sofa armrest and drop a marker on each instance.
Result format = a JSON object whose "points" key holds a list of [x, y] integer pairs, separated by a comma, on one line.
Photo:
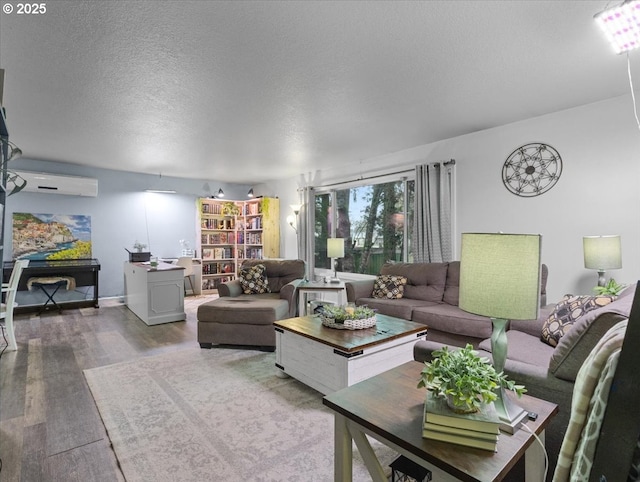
{"points": [[359, 289], [230, 288], [289, 292]]}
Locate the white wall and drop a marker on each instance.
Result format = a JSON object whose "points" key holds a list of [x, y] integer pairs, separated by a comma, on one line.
{"points": [[121, 214], [598, 191]]}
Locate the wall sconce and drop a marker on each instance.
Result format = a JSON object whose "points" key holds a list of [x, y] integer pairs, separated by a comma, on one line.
{"points": [[250, 193], [602, 253], [220, 193], [292, 222]]}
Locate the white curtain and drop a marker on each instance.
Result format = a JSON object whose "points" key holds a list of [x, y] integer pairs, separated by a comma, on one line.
{"points": [[434, 201], [306, 223]]}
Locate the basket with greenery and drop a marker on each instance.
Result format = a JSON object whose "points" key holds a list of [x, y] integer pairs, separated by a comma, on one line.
{"points": [[465, 379], [348, 317]]}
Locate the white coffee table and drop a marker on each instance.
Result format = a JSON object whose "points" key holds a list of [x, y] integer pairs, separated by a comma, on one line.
{"points": [[328, 359]]}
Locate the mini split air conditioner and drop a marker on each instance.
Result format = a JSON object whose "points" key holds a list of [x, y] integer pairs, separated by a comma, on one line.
{"points": [[56, 184]]}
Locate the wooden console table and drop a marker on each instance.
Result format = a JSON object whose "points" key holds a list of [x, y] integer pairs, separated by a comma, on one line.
{"points": [[390, 408], [83, 271]]}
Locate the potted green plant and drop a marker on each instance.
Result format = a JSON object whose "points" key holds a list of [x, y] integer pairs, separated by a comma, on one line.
{"points": [[612, 288], [465, 379], [230, 208]]}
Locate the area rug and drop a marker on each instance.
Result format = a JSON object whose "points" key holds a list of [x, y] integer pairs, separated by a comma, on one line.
{"points": [[216, 414]]}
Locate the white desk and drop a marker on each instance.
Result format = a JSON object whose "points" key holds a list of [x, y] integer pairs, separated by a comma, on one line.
{"points": [[155, 295]]}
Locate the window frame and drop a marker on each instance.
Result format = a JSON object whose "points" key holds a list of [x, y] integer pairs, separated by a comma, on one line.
{"points": [[405, 177]]}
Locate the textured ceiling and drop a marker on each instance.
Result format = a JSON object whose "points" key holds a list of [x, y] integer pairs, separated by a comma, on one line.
{"points": [[249, 91]]}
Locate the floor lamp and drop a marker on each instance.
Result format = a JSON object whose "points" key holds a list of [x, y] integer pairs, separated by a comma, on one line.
{"points": [[500, 278]]}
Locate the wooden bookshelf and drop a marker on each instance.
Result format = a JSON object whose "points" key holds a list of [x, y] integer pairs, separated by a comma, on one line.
{"points": [[231, 231]]}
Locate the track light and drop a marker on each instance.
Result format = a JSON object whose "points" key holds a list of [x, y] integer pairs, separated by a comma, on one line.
{"points": [[250, 193], [14, 151], [13, 179], [220, 193]]}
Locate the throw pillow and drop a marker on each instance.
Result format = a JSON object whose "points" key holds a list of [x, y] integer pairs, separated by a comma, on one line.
{"points": [[389, 286], [567, 312], [254, 280]]}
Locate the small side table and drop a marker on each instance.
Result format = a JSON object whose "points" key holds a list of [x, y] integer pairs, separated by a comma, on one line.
{"points": [[307, 287]]}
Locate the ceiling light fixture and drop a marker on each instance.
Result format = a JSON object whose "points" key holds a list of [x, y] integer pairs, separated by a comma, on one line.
{"points": [[250, 193], [220, 193], [159, 188], [621, 25]]}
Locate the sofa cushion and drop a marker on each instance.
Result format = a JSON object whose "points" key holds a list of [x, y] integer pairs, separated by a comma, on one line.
{"points": [[260, 309], [398, 308], [451, 319], [452, 286], [253, 279], [524, 348], [425, 281], [566, 312], [574, 347], [389, 286]]}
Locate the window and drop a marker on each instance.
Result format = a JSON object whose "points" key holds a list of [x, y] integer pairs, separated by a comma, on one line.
{"points": [[375, 220]]}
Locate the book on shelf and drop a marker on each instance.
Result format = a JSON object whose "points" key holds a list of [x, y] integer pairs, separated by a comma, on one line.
{"points": [[460, 440], [485, 420]]}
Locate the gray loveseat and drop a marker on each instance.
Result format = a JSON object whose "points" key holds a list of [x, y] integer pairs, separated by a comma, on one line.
{"points": [[431, 297], [236, 318]]}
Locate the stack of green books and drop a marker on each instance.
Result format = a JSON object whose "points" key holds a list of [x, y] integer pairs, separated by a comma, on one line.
{"points": [[479, 430]]}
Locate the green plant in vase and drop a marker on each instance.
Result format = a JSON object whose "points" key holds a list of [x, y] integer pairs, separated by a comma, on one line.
{"points": [[465, 379], [612, 288], [229, 208]]}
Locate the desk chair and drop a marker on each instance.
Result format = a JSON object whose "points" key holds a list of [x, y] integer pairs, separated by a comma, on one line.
{"points": [[187, 263], [6, 309]]}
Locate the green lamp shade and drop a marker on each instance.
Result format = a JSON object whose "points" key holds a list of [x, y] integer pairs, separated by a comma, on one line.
{"points": [[500, 275]]}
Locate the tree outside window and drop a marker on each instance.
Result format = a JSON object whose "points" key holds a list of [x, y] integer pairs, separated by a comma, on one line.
{"points": [[371, 219]]}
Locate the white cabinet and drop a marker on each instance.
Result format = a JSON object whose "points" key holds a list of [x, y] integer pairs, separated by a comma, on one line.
{"points": [[155, 295]]}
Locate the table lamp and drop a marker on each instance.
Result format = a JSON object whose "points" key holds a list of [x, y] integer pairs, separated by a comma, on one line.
{"points": [[500, 278], [602, 253], [335, 249]]}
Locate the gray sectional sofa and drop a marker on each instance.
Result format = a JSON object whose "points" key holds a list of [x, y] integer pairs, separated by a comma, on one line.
{"points": [[431, 297], [547, 372]]}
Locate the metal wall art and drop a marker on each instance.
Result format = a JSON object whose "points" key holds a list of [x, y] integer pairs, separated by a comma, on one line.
{"points": [[532, 169]]}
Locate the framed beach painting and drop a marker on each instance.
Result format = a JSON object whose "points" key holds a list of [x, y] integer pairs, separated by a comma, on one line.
{"points": [[51, 236]]}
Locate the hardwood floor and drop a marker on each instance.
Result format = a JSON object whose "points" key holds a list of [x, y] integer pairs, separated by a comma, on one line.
{"points": [[50, 429]]}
